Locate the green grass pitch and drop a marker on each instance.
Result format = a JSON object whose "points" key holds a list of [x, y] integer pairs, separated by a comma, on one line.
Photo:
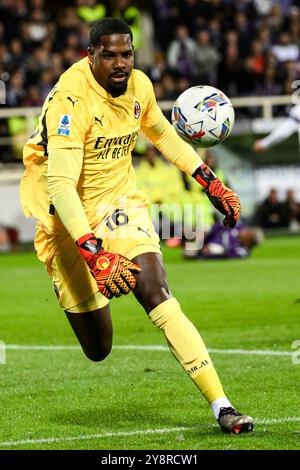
{"points": [[140, 398]]}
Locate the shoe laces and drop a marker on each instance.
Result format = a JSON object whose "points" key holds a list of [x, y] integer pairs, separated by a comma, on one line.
{"points": [[228, 411]]}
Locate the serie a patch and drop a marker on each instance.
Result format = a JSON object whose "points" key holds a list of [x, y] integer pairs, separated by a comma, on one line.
{"points": [[64, 124]]}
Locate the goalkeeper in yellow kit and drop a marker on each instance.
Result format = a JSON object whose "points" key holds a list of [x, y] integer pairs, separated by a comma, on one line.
{"points": [[93, 229]]}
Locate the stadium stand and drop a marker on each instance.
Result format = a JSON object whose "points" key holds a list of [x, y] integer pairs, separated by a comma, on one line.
{"points": [[249, 49]]}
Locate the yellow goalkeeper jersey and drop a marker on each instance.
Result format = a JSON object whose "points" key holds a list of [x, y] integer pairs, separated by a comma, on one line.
{"points": [[79, 114]]}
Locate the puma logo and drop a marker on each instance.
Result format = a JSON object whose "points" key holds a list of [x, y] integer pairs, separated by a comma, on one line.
{"points": [[99, 120], [142, 230], [72, 101]]}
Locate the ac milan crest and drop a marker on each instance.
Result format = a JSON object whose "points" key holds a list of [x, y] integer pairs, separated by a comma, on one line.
{"points": [[137, 110]]}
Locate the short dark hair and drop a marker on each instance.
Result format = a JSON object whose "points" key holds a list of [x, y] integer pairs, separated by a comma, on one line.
{"points": [[108, 26]]}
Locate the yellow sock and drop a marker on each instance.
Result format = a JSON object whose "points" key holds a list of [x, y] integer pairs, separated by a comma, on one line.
{"points": [[188, 348]]}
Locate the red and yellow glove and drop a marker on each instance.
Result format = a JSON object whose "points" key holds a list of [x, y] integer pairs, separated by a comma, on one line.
{"points": [[224, 199], [112, 272]]}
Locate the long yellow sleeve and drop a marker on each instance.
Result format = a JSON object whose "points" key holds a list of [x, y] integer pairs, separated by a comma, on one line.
{"points": [[165, 139], [64, 168]]}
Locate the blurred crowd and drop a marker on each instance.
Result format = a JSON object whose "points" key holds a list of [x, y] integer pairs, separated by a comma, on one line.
{"points": [[275, 213], [245, 47]]}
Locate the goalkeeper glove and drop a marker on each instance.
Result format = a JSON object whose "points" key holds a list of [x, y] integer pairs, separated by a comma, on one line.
{"points": [[112, 272], [224, 199]]}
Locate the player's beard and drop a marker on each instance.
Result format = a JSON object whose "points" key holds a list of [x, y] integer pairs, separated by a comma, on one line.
{"points": [[117, 90]]}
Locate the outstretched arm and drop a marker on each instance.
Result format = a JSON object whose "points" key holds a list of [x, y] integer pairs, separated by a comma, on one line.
{"points": [[164, 137], [223, 198], [279, 134]]}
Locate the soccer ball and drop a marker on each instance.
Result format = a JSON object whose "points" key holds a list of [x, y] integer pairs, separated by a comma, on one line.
{"points": [[203, 116]]}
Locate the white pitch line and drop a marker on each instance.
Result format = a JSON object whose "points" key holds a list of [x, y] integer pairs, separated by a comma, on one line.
{"points": [[81, 437], [289, 419], [94, 436], [252, 352]]}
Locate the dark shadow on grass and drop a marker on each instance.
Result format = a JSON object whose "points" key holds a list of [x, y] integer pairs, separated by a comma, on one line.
{"points": [[109, 417], [117, 419]]}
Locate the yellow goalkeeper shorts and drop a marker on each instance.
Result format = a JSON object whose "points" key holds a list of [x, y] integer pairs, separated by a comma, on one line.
{"points": [[129, 234]]}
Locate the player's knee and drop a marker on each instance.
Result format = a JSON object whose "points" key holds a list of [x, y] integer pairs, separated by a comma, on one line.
{"points": [[166, 313], [98, 354], [152, 298], [156, 299]]}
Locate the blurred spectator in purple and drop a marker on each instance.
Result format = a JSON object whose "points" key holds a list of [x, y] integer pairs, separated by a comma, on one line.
{"points": [[286, 4], [207, 58], [181, 53], [221, 243]]}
